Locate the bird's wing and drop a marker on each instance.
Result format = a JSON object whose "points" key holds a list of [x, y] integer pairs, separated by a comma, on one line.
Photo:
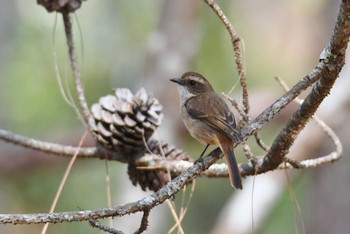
{"points": [[220, 118]]}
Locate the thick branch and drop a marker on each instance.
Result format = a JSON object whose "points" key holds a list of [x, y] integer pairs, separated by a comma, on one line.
{"points": [[269, 113], [142, 205], [332, 65], [326, 72], [327, 68], [155, 162]]}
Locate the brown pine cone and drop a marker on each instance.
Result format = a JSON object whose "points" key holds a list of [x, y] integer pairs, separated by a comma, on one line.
{"points": [[124, 122], [155, 179], [60, 5]]}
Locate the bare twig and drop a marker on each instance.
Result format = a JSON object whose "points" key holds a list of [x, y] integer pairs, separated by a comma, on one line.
{"points": [[75, 67], [294, 163], [336, 141], [247, 151], [237, 50], [144, 222], [311, 163], [245, 120], [260, 142], [96, 224], [57, 149]]}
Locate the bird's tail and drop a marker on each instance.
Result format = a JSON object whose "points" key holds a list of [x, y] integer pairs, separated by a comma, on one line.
{"points": [[233, 170]]}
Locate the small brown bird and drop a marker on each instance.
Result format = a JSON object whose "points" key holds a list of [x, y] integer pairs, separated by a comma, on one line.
{"points": [[208, 119]]}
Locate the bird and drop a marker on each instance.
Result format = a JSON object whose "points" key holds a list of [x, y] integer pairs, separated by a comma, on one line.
{"points": [[208, 119]]}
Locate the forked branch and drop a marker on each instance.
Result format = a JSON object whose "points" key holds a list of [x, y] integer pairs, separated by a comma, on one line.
{"points": [[146, 203], [331, 65]]}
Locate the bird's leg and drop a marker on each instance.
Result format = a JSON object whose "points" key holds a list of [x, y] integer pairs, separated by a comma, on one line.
{"points": [[205, 149], [200, 159]]}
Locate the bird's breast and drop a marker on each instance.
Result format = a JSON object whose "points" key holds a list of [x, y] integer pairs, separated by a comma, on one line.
{"points": [[198, 130]]}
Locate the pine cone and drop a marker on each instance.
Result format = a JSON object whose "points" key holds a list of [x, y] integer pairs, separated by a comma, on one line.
{"points": [[60, 5], [155, 179], [124, 122]]}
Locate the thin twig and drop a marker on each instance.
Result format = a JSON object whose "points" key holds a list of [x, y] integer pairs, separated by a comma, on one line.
{"points": [[245, 121], [57, 149], [237, 50], [260, 142], [245, 118], [144, 222], [312, 163], [67, 97], [336, 141], [96, 224], [75, 67], [294, 163], [247, 151]]}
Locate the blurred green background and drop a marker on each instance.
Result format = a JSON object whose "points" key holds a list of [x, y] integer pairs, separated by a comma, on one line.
{"points": [[144, 43]]}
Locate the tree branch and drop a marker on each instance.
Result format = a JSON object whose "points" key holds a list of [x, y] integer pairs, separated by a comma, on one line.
{"points": [[145, 203], [75, 67], [96, 224], [144, 222], [57, 149], [325, 73], [331, 66]]}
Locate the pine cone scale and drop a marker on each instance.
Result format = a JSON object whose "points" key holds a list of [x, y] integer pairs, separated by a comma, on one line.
{"points": [[124, 121]]}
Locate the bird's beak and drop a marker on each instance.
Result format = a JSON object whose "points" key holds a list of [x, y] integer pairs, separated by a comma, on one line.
{"points": [[177, 81]]}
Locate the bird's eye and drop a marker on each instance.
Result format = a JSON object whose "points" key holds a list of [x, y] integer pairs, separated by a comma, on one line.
{"points": [[193, 83]]}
